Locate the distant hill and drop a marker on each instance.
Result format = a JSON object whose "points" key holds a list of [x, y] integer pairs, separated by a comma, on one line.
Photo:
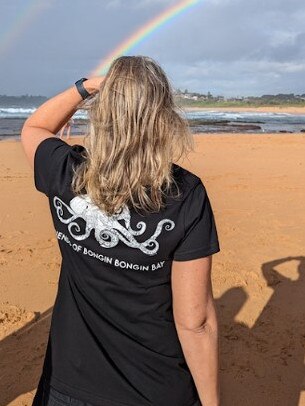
{"points": [[21, 101], [184, 99], [192, 99]]}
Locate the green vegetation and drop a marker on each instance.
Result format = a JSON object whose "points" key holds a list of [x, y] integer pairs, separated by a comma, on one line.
{"points": [[231, 103], [186, 99]]}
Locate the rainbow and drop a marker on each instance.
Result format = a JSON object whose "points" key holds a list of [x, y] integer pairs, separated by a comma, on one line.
{"points": [[22, 20], [142, 33]]}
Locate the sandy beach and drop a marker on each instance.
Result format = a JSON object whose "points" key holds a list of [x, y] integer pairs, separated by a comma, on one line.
{"points": [[256, 185], [269, 109]]}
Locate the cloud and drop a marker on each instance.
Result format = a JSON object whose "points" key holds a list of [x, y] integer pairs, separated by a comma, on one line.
{"points": [[113, 4], [242, 78], [230, 47], [138, 4]]}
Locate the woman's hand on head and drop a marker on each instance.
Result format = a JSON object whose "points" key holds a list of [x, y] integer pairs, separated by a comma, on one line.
{"points": [[93, 84]]}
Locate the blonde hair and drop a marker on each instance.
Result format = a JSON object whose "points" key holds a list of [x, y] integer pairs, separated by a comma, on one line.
{"points": [[134, 130]]}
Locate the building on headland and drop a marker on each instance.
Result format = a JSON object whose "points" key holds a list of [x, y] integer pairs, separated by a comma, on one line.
{"points": [[280, 98]]}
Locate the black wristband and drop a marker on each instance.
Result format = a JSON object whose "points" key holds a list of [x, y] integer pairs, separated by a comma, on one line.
{"points": [[81, 89]]}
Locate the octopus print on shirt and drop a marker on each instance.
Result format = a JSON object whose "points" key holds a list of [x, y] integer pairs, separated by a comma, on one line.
{"points": [[107, 227], [112, 338]]}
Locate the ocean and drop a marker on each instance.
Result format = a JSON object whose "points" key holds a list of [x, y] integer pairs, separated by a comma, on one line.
{"points": [[201, 121]]}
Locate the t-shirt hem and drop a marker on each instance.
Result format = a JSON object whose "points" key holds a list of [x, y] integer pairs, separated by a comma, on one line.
{"points": [[94, 399], [198, 253], [84, 395]]}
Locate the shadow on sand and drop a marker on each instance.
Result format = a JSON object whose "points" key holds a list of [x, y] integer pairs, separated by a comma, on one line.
{"points": [[259, 366]]}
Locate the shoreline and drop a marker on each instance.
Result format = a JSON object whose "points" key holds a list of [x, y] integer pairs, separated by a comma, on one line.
{"points": [[297, 111]]}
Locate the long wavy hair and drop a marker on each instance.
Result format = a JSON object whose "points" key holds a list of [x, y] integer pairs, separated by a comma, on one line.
{"points": [[133, 136]]}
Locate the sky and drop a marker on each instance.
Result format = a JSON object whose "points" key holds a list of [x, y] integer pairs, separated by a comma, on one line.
{"points": [[227, 47]]}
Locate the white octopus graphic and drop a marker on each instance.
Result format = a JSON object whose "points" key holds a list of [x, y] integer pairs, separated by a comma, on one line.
{"points": [[107, 227]]}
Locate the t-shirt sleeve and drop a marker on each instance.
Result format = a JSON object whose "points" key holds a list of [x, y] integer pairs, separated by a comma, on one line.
{"points": [[48, 159], [200, 238]]}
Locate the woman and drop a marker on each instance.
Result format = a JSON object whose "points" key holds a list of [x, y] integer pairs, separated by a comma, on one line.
{"points": [[134, 321]]}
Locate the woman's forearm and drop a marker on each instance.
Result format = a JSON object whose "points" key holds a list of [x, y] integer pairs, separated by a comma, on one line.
{"points": [[56, 111], [201, 353]]}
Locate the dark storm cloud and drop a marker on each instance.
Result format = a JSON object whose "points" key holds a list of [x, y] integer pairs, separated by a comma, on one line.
{"points": [[231, 47]]}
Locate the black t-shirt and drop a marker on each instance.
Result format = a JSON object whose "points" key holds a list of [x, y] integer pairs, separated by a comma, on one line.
{"points": [[113, 339]]}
